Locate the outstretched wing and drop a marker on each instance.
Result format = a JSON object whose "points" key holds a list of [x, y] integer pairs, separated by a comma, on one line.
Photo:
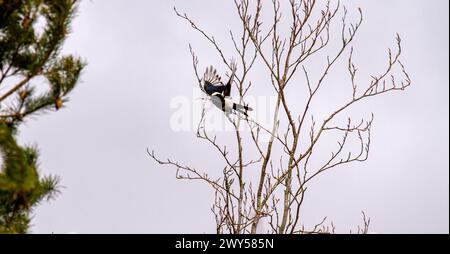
{"points": [[227, 90], [210, 81]]}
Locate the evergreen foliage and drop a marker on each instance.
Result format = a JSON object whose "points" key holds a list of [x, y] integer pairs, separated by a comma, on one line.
{"points": [[32, 33]]}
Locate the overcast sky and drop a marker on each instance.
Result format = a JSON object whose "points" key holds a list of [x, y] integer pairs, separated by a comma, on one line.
{"points": [[139, 62]]}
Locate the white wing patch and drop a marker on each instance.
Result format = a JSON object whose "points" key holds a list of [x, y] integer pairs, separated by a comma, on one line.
{"points": [[228, 105]]}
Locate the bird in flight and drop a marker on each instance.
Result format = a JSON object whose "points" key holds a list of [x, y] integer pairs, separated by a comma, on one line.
{"points": [[220, 93]]}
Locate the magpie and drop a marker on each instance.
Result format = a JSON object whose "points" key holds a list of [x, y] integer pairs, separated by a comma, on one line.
{"points": [[220, 93]]}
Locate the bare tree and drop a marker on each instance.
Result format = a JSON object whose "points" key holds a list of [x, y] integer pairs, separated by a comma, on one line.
{"points": [[277, 195]]}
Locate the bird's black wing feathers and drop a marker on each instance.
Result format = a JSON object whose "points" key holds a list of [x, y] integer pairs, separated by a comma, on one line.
{"points": [[227, 90], [210, 88], [211, 81]]}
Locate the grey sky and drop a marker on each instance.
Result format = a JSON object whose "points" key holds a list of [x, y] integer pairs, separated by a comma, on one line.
{"points": [[139, 60]]}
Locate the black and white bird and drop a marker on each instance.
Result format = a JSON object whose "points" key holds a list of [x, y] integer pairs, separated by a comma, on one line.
{"points": [[220, 93]]}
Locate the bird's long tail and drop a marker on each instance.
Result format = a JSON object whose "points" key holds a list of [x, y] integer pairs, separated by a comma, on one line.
{"points": [[242, 108]]}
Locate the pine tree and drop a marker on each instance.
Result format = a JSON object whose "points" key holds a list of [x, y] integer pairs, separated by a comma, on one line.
{"points": [[32, 33]]}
